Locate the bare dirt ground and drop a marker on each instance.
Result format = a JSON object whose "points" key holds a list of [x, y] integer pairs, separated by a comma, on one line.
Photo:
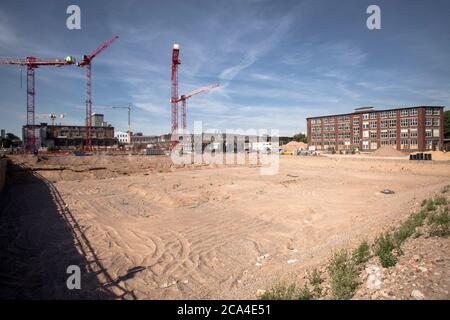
{"points": [[145, 229]]}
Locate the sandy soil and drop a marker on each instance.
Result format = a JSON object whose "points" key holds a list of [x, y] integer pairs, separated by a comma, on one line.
{"points": [[149, 230]]}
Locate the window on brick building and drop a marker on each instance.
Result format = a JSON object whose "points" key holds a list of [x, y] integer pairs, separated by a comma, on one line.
{"points": [[436, 122]]}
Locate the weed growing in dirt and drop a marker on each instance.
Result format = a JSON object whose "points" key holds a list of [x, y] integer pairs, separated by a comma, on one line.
{"points": [[440, 201], [305, 294], [383, 247], [408, 227], [281, 292], [445, 189], [315, 280], [429, 206], [439, 223], [362, 253], [343, 274]]}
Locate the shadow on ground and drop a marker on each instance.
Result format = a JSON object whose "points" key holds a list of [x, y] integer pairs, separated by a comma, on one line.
{"points": [[39, 239]]}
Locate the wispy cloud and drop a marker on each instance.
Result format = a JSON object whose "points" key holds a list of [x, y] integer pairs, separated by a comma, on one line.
{"points": [[259, 49]]}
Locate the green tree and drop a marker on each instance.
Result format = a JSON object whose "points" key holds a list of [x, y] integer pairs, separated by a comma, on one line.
{"points": [[447, 124], [10, 139], [300, 137]]}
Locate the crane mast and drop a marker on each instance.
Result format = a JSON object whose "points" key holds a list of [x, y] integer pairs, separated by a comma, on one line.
{"points": [[31, 63], [129, 121], [183, 100], [174, 92], [87, 62]]}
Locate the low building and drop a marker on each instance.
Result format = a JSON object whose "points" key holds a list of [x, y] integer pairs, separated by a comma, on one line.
{"points": [[140, 140], [67, 136], [409, 129], [121, 136]]}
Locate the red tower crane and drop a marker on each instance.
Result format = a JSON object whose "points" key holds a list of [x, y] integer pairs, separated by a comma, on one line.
{"points": [[87, 62], [183, 99], [174, 92], [32, 63]]}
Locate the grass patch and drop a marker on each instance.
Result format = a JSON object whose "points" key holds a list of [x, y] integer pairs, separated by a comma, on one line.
{"points": [[344, 275], [445, 189], [362, 253]]}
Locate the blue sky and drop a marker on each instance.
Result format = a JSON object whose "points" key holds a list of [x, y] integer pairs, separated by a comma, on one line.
{"points": [[278, 62]]}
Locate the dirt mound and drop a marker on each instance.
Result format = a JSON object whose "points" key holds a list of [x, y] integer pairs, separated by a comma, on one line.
{"points": [[294, 145], [440, 155], [386, 151]]}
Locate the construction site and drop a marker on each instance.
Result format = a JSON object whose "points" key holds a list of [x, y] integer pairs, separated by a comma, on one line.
{"points": [[141, 225]]}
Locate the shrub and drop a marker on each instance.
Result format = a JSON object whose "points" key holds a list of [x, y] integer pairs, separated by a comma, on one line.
{"points": [[343, 274], [362, 253], [383, 247]]}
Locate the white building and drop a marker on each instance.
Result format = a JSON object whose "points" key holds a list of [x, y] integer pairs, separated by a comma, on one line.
{"points": [[121, 136]]}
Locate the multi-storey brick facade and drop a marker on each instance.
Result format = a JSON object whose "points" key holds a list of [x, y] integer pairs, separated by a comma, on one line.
{"points": [[409, 129]]}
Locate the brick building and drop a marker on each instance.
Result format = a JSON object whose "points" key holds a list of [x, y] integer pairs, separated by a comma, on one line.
{"points": [[408, 129]]}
